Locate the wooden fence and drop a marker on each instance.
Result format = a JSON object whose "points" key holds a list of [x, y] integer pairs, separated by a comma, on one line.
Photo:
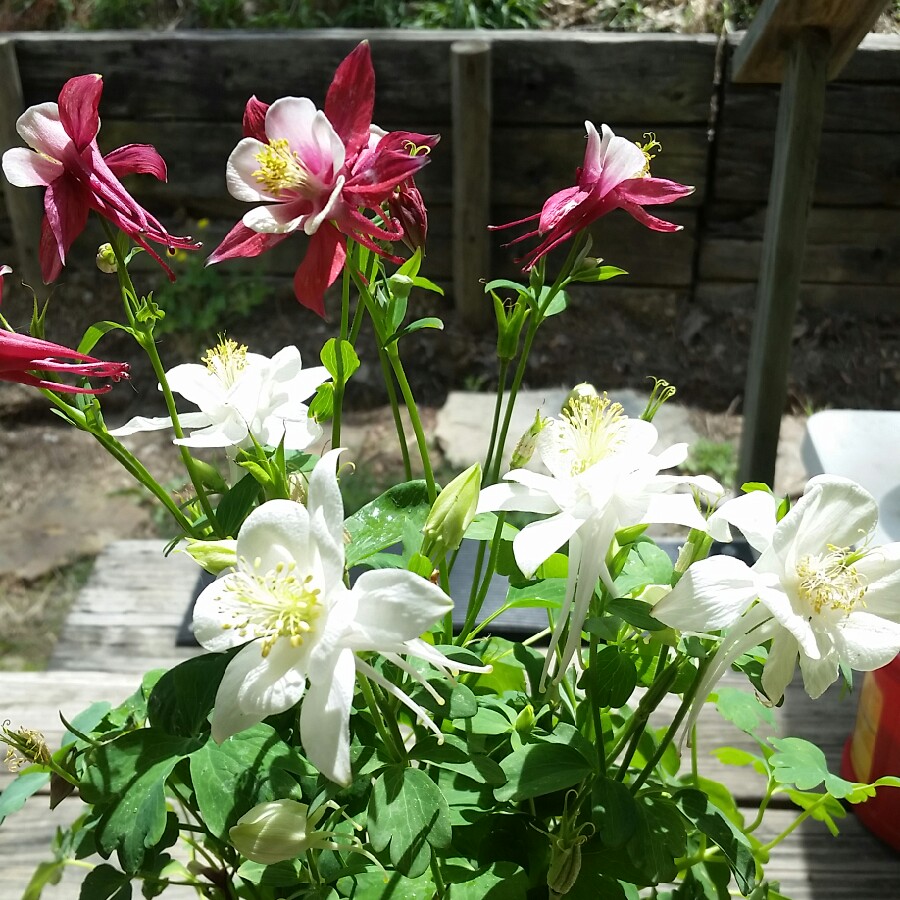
{"points": [[527, 94]]}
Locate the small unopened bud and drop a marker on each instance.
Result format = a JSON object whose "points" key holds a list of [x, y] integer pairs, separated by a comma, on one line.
{"points": [[565, 866], [509, 326], [213, 556], [525, 720], [273, 832], [24, 746], [452, 514], [521, 456], [106, 259]]}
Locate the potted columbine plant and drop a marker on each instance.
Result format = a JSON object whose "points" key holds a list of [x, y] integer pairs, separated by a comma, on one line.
{"points": [[341, 738]]}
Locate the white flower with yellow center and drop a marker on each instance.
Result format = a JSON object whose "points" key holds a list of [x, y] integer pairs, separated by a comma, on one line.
{"points": [[240, 395], [819, 599], [603, 478], [300, 628]]}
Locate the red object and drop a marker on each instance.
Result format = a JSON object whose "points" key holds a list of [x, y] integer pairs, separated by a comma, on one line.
{"points": [[873, 750]]}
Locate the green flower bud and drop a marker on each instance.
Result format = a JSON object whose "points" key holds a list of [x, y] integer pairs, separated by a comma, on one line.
{"points": [[214, 556], [106, 259], [525, 720], [509, 326], [521, 456], [452, 514], [273, 832]]}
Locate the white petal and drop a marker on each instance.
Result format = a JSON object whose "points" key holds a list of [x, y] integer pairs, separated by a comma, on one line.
{"points": [[672, 456], [39, 126], [255, 687], [753, 515], [216, 608], [508, 496], [239, 169], [711, 595], [538, 541], [275, 533], [395, 606], [819, 674], [326, 510], [880, 568], [867, 642], [800, 625], [228, 433], [325, 718], [674, 509], [280, 219], [780, 665], [142, 423], [25, 168], [198, 385]]}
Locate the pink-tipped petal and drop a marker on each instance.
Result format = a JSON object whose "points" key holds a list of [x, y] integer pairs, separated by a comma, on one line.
{"points": [[350, 100], [136, 158], [650, 191], [79, 101], [66, 212], [652, 222], [320, 267], [40, 128]]}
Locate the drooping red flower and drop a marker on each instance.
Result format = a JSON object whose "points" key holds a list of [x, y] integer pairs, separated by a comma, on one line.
{"points": [[66, 161], [615, 174], [315, 171], [21, 356]]}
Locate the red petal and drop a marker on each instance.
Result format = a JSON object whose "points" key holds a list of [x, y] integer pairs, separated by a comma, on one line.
{"points": [[66, 209], [351, 99], [242, 241], [79, 100], [320, 267], [136, 158], [255, 119], [645, 218], [649, 191]]}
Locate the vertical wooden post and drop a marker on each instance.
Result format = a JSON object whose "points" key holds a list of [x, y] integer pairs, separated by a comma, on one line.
{"points": [[470, 72], [23, 206], [797, 134]]}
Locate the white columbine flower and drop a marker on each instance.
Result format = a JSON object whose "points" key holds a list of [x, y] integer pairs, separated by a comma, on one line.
{"points": [[287, 604], [242, 394], [603, 478], [819, 598]]}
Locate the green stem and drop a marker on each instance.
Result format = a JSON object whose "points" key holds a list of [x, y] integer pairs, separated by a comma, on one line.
{"points": [[339, 380], [503, 375], [440, 888], [474, 607], [667, 738], [770, 792], [395, 411], [375, 708], [767, 848], [599, 737]]}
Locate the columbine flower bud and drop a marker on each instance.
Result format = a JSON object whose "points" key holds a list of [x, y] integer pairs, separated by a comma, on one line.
{"points": [[509, 327], [452, 514], [273, 832], [106, 259], [525, 448], [214, 556]]}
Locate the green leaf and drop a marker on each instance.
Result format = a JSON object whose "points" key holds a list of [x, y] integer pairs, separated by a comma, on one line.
{"points": [[502, 881], [596, 274], [454, 756], [733, 756], [288, 873], [381, 523], [408, 813], [537, 769], [505, 283], [349, 359], [614, 812], [418, 325], [46, 873], [235, 506], [733, 843], [744, 711], [483, 526], [822, 807], [645, 564], [803, 764], [126, 779], [95, 332], [19, 790], [635, 612], [380, 885], [181, 701], [547, 593], [321, 407], [105, 883], [557, 304], [248, 768], [613, 676], [659, 838]]}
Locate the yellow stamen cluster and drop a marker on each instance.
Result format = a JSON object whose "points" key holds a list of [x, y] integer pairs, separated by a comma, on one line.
{"points": [[226, 360], [280, 168], [651, 144], [278, 604], [24, 746], [595, 425], [830, 581]]}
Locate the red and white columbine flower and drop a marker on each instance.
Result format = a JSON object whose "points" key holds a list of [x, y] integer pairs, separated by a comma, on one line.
{"points": [[810, 592], [615, 175], [64, 158], [314, 171]]}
